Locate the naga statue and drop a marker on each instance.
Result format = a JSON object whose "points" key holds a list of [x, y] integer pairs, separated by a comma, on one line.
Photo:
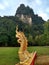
{"points": [[25, 57]]}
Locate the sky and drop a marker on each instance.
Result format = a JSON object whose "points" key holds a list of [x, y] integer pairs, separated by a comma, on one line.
{"points": [[40, 7]]}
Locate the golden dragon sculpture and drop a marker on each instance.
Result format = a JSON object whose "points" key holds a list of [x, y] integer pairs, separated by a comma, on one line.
{"points": [[24, 56]]}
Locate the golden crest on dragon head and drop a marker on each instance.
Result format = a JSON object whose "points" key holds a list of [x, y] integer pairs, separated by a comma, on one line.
{"points": [[21, 37]]}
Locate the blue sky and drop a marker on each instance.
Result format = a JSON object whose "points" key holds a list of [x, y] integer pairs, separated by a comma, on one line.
{"points": [[40, 7]]}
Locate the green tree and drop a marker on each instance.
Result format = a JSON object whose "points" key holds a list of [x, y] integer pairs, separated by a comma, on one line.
{"points": [[46, 32]]}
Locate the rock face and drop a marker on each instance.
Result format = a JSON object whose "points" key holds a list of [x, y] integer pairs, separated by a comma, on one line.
{"points": [[25, 18], [26, 14]]}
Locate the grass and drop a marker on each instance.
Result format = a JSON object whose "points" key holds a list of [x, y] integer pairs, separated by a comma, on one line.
{"points": [[9, 55]]}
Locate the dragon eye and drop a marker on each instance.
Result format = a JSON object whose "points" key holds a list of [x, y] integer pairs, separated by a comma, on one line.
{"points": [[19, 40]]}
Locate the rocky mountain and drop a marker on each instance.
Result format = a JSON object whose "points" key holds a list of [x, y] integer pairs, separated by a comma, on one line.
{"points": [[26, 15]]}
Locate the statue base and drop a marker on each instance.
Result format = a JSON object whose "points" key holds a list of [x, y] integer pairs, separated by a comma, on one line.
{"points": [[30, 61]]}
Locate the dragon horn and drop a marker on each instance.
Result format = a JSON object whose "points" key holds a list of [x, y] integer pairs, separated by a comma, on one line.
{"points": [[16, 28]]}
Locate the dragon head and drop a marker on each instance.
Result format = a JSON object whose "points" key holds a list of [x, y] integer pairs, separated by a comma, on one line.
{"points": [[21, 37]]}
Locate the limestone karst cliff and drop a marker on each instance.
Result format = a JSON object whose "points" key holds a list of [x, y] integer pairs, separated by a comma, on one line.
{"points": [[25, 18]]}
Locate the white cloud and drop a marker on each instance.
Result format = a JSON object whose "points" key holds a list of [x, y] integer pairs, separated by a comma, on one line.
{"points": [[43, 15], [3, 5], [47, 10], [38, 2]]}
